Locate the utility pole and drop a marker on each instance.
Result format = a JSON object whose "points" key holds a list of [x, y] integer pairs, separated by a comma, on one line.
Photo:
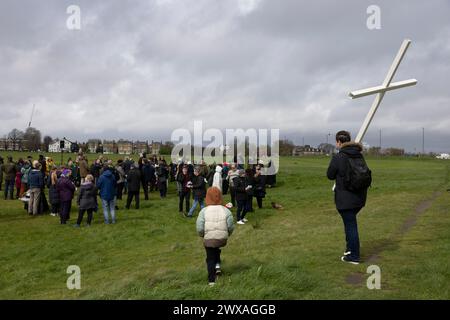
{"points": [[380, 139], [62, 149], [423, 141]]}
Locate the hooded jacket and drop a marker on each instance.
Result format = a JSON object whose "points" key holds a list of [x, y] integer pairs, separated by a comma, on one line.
{"points": [[107, 185], [87, 198], [198, 187], [65, 189], [217, 180], [134, 179], [346, 199], [214, 222]]}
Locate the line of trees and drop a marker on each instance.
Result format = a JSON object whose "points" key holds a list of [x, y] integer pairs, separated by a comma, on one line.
{"points": [[30, 140]]}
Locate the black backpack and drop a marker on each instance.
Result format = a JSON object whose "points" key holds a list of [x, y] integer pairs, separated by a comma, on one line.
{"points": [[358, 175]]}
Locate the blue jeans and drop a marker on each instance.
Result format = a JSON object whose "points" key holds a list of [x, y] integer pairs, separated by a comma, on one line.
{"points": [[9, 188], [194, 205], [109, 206], [351, 231]]}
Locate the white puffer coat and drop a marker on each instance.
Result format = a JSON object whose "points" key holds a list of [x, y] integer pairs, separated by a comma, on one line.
{"points": [[215, 225]]}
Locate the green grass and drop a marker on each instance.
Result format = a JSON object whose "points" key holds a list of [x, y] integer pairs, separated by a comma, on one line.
{"points": [[154, 253]]}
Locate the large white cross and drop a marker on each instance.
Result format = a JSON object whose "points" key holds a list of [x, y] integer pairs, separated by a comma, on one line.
{"points": [[381, 90]]}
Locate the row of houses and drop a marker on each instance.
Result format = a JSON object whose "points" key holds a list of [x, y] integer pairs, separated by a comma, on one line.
{"points": [[307, 150], [111, 146], [7, 144]]}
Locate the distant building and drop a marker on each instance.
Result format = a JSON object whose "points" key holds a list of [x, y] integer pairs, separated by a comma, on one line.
{"points": [[306, 150], [109, 147], [7, 144], [93, 145], [55, 146], [155, 148], [444, 156], [140, 147], [124, 147]]}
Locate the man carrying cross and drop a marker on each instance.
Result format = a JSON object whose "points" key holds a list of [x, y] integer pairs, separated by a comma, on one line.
{"points": [[353, 177], [349, 169]]}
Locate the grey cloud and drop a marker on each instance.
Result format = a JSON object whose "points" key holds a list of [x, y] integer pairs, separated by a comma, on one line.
{"points": [[143, 68]]}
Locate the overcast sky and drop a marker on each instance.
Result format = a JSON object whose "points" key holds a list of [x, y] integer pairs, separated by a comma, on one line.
{"points": [[140, 69]]}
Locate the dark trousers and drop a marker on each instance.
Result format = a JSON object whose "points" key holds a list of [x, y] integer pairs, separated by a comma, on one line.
{"points": [[162, 186], [225, 186], [233, 196], [64, 211], [120, 190], [249, 204], [55, 207], [212, 258], [241, 209], [81, 214], [125, 187], [145, 187], [9, 189], [351, 231], [130, 196], [259, 201], [184, 195], [152, 185]]}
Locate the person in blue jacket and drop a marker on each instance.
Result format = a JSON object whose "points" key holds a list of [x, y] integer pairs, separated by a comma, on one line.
{"points": [[106, 183]]}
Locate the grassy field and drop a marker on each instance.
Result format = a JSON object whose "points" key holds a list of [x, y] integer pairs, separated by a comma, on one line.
{"points": [[154, 253]]}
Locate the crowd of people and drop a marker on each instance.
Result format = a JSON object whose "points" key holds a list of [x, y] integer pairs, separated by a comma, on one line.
{"points": [[84, 182], [27, 179]]}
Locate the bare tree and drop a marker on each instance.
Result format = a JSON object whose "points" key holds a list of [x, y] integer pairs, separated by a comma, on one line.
{"points": [[5, 142], [32, 138], [16, 139], [46, 142]]}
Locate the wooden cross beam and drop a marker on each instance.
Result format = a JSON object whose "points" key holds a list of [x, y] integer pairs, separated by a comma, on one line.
{"points": [[382, 89]]}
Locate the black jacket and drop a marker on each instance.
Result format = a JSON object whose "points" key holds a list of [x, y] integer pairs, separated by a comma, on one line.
{"points": [[198, 186], [162, 173], [148, 173], [240, 185], [87, 198], [250, 181], [344, 198], [134, 180], [260, 186]]}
